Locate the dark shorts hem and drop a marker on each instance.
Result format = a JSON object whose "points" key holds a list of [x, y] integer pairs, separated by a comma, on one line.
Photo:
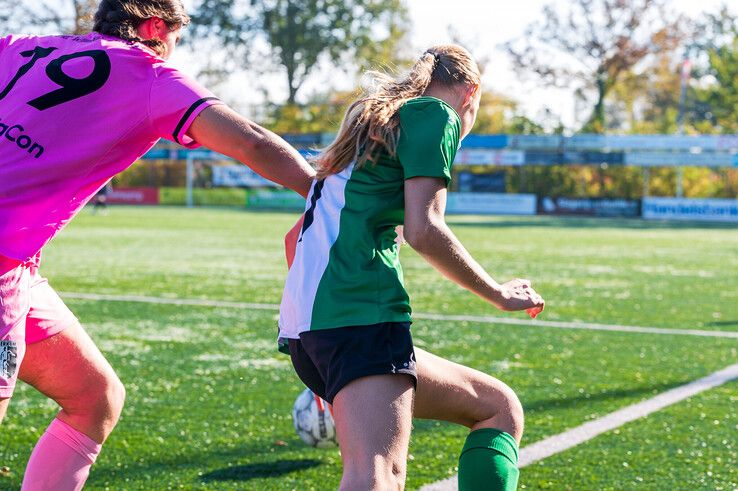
{"points": [[327, 360], [336, 388]]}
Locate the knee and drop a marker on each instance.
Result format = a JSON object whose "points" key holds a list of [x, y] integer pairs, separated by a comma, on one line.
{"points": [[503, 411], [103, 403], [108, 404], [517, 416], [115, 398]]}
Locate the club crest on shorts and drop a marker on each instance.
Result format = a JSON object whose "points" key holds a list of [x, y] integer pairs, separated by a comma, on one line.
{"points": [[8, 358]]}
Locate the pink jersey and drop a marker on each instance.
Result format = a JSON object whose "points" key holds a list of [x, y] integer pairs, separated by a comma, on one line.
{"points": [[75, 111]]}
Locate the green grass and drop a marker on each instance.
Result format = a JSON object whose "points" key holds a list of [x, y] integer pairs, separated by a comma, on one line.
{"points": [[209, 397]]}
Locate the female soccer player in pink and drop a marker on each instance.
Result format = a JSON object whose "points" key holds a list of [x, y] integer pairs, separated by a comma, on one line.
{"points": [[75, 111], [345, 311]]}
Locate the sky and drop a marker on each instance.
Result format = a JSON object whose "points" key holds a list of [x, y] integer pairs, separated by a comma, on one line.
{"points": [[486, 24]]}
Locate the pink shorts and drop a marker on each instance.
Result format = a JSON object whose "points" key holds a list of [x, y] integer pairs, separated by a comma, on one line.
{"points": [[30, 311]]}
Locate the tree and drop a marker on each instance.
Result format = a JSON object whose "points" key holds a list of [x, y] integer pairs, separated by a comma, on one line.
{"points": [[499, 114], [47, 17], [322, 113], [719, 92], [298, 34], [647, 101], [589, 45]]}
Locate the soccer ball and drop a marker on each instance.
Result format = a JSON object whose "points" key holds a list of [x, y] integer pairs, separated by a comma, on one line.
{"points": [[313, 420]]}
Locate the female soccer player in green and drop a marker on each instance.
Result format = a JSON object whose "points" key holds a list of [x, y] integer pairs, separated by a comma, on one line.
{"points": [[345, 310]]}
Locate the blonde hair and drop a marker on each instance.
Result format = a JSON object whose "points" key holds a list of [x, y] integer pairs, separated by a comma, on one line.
{"points": [[121, 18], [372, 122]]}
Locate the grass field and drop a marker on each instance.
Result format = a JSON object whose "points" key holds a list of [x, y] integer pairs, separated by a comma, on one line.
{"points": [[209, 397]]}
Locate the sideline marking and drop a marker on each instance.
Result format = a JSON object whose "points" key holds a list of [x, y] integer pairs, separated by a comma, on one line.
{"points": [[583, 433], [548, 446], [418, 315], [200, 302]]}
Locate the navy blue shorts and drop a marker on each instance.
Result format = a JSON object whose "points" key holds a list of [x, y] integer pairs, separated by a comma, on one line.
{"points": [[329, 359]]}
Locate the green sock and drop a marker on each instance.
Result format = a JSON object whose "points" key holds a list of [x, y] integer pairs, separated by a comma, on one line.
{"points": [[488, 461]]}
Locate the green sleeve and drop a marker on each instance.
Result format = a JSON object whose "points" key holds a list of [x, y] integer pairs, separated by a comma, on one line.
{"points": [[429, 139]]}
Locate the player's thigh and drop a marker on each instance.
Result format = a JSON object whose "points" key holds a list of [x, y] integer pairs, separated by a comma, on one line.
{"points": [[373, 417], [70, 369], [448, 391]]}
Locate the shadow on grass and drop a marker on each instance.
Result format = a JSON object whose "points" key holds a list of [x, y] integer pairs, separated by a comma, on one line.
{"points": [[578, 222], [722, 323], [260, 470], [547, 404]]}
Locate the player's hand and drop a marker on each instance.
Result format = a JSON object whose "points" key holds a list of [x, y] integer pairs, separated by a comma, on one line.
{"points": [[518, 294]]}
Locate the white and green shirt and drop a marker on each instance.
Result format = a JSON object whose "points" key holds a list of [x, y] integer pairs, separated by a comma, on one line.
{"points": [[346, 270]]}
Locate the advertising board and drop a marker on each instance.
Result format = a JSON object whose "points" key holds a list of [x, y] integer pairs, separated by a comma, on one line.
{"points": [[491, 204], [133, 196], [595, 207], [713, 210]]}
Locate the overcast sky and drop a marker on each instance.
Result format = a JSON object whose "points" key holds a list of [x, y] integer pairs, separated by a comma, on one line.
{"points": [[484, 23]]}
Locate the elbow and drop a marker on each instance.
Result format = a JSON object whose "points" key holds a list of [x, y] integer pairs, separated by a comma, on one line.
{"points": [[418, 236]]}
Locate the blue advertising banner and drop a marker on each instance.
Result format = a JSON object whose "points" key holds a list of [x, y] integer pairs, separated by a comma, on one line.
{"points": [[491, 204], [665, 159], [484, 141], [481, 183], [544, 158], [613, 158], [709, 210], [536, 142], [596, 207]]}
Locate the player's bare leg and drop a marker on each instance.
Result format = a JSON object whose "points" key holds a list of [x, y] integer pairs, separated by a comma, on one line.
{"points": [[373, 417], [451, 392], [3, 408], [69, 369]]}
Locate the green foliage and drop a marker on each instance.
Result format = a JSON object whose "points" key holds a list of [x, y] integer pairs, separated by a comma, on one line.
{"points": [[151, 173], [647, 100], [620, 181], [498, 114], [299, 33], [321, 114], [589, 45], [722, 95]]}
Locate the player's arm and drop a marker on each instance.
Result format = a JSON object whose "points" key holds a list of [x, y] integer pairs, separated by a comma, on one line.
{"points": [[221, 129], [426, 232]]}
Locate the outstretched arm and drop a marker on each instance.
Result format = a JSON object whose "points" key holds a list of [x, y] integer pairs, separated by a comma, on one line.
{"points": [[221, 129], [426, 232]]}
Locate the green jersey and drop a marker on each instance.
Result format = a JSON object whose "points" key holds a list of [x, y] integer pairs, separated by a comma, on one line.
{"points": [[346, 270]]}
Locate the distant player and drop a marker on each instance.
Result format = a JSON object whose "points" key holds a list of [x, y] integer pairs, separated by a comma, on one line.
{"points": [[345, 311], [75, 111], [100, 200]]}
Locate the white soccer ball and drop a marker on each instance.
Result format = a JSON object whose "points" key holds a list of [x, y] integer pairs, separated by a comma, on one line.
{"points": [[313, 420]]}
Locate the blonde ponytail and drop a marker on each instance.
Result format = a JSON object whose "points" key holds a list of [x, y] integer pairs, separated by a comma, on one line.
{"points": [[371, 124]]}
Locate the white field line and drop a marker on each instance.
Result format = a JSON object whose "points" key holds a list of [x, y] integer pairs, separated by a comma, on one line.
{"points": [[544, 448], [577, 325], [417, 315], [199, 302], [583, 433]]}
